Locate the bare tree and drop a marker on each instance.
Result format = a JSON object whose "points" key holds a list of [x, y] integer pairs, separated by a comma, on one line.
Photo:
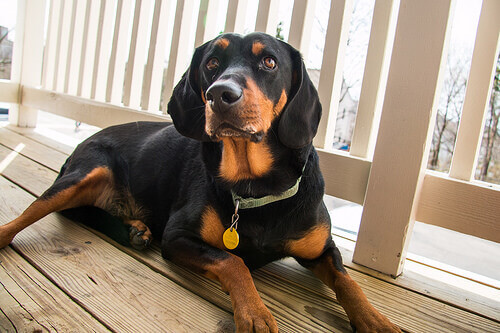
{"points": [[448, 115], [492, 130]]}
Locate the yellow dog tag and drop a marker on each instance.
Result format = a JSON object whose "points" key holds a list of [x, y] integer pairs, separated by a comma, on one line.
{"points": [[231, 238]]}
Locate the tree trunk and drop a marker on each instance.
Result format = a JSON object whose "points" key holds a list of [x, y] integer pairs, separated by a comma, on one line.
{"points": [[491, 133]]}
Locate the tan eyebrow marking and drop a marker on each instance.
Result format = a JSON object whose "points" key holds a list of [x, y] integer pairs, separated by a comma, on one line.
{"points": [[257, 47], [223, 43]]}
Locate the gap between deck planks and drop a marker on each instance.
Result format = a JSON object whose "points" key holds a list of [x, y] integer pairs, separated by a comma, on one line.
{"points": [[289, 298]]}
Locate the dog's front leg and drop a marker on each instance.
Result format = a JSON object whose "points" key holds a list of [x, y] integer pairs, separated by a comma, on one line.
{"points": [[363, 316], [250, 313]]}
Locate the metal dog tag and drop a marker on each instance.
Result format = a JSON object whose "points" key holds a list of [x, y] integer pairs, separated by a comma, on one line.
{"points": [[230, 237]]}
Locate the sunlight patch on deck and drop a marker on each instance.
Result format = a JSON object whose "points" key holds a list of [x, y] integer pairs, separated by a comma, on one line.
{"points": [[9, 158]]}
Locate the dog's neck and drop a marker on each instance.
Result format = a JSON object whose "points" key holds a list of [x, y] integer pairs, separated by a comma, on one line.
{"points": [[244, 160], [252, 169]]}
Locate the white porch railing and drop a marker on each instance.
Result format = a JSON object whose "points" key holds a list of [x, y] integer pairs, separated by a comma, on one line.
{"points": [[79, 68]]}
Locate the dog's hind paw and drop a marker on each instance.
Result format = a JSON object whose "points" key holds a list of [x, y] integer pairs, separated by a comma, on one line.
{"points": [[140, 236]]}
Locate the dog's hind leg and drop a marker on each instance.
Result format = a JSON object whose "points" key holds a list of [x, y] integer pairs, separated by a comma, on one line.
{"points": [[73, 189]]}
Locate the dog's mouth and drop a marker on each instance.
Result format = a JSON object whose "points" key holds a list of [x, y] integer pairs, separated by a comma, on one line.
{"points": [[227, 130]]}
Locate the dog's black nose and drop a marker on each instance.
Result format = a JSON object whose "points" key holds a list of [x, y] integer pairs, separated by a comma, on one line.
{"points": [[223, 95]]}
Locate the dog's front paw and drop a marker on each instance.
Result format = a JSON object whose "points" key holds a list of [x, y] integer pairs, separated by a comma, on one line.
{"points": [[254, 318]]}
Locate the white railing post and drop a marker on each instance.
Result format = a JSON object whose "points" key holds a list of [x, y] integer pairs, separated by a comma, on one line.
{"points": [[91, 22], [27, 56], [236, 14], [56, 83], [405, 132], [208, 16], [71, 13], [153, 74], [374, 78], [181, 48], [134, 73], [49, 56], [330, 79], [301, 25], [267, 16], [103, 50], [73, 68], [118, 57], [477, 96]]}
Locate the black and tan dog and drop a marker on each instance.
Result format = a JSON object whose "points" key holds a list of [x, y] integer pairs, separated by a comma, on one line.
{"points": [[233, 186]]}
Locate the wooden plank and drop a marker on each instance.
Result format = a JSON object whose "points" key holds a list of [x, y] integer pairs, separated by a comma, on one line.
{"points": [[461, 206], [25, 172], [294, 312], [9, 92], [330, 79], [345, 177], [405, 133], [33, 150], [477, 95], [122, 293], [436, 284], [427, 314], [90, 112], [134, 73], [33, 134], [30, 302], [374, 78], [118, 58]]}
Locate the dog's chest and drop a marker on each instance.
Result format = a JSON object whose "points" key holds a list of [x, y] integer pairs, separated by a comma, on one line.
{"points": [[262, 235]]}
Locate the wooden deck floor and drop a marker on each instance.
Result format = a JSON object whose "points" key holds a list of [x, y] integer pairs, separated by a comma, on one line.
{"points": [[58, 275]]}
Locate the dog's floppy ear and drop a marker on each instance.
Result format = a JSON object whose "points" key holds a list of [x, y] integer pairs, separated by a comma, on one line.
{"points": [[300, 119], [186, 106]]}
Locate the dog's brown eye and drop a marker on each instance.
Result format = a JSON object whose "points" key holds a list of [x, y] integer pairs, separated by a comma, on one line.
{"points": [[212, 63], [269, 62]]}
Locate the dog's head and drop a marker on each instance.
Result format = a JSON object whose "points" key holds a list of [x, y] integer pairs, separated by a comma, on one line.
{"points": [[243, 86]]}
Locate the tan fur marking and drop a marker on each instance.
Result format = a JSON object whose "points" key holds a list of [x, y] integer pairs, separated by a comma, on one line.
{"points": [[248, 307], [257, 47], [281, 103], [81, 194], [258, 105], [256, 114], [203, 98], [211, 228], [87, 191], [243, 159], [311, 245], [223, 43]]}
